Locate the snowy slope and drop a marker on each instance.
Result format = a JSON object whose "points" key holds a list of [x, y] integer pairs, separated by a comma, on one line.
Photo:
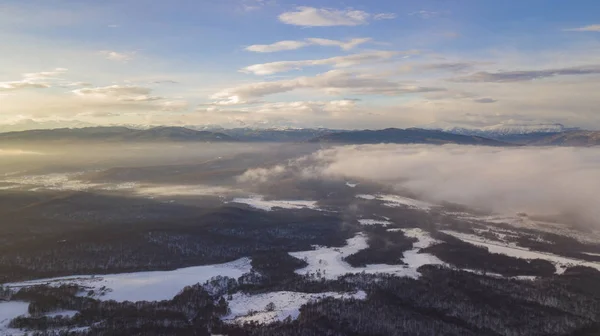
{"points": [[147, 286], [252, 308]]}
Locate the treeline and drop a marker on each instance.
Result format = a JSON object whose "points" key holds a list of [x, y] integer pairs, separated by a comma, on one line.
{"points": [[216, 236], [442, 301]]}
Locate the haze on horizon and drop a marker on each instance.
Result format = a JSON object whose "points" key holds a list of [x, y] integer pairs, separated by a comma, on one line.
{"points": [[280, 63]]}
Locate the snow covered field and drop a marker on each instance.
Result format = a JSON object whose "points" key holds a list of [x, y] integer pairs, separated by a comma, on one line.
{"points": [[8, 311], [329, 263], [520, 252], [248, 308], [148, 286], [397, 201], [259, 202]]}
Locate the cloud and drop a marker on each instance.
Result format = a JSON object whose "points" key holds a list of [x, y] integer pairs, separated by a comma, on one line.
{"points": [[126, 93], [338, 62], [527, 75], [545, 181], [118, 56], [426, 14], [294, 45], [10, 86], [326, 17], [456, 66], [174, 105], [351, 44], [334, 81], [38, 76], [590, 28], [277, 46], [485, 100], [384, 16], [33, 80], [72, 84], [308, 107], [252, 5]]}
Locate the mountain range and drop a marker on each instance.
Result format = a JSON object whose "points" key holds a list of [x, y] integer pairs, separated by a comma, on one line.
{"points": [[177, 134], [405, 136], [489, 137]]}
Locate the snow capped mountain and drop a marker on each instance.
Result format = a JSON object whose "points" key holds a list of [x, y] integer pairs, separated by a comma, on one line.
{"points": [[500, 130]]}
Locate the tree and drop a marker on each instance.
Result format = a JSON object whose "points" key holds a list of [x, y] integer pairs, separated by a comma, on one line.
{"points": [[270, 307]]}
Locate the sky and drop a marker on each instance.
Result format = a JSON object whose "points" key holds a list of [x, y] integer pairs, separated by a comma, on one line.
{"points": [[302, 63]]}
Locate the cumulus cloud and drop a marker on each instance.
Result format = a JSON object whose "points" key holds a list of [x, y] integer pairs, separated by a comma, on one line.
{"points": [[118, 56], [527, 75], [326, 17], [334, 81], [545, 181], [126, 93], [590, 28], [337, 62], [294, 45]]}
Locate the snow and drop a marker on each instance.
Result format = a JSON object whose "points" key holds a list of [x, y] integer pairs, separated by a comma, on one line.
{"points": [[519, 252], [592, 254], [374, 222], [8, 311], [397, 201], [259, 202], [351, 185], [64, 313], [147, 286], [329, 263], [367, 197], [252, 308]]}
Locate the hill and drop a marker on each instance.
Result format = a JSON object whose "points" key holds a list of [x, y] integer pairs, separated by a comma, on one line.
{"points": [[405, 136], [573, 138]]}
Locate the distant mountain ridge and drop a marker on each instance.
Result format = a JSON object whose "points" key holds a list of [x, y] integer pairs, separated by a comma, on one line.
{"points": [[175, 134], [405, 136], [321, 135], [572, 138]]}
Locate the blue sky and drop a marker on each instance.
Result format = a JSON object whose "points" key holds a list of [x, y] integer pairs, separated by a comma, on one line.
{"points": [[267, 63]]}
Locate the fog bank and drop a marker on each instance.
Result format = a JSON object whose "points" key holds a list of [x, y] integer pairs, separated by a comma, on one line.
{"points": [[506, 180]]}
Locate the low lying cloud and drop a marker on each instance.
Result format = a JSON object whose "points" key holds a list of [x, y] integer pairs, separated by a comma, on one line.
{"points": [[506, 180], [326, 17]]}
